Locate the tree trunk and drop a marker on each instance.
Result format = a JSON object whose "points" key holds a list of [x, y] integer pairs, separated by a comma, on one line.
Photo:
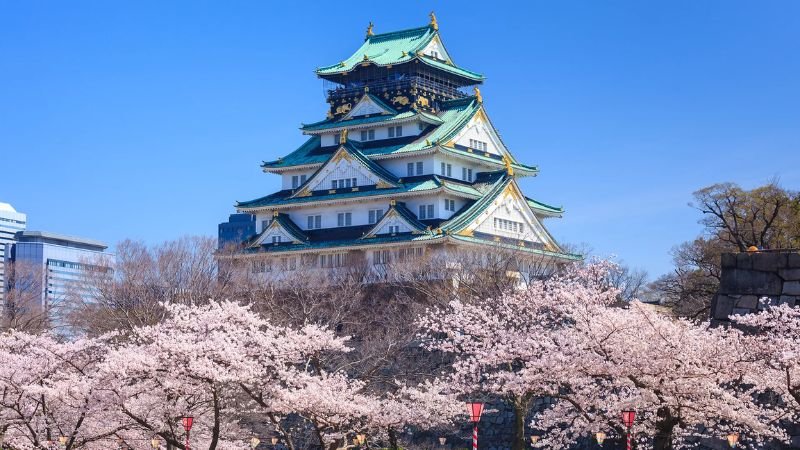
{"points": [[665, 424], [393, 439], [520, 413]]}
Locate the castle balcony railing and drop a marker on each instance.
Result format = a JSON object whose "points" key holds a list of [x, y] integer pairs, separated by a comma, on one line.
{"points": [[335, 91]]}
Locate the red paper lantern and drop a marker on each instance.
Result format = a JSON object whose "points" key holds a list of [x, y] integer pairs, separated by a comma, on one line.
{"points": [[628, 417], [187, 423], [475, 410]]}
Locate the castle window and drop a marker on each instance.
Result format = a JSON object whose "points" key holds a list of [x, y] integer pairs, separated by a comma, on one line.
{"points": [[336, 138], [295, 181], [447, 170], [375, 215], [394, 229], [426, 211], [410, 168], [478, 145], [381, 256], [276, 239], [449, 205], [333, 260], [396, 131], [344, 219], [409, 253], [314, 222], [419, 168], [265, 224], [421, 126], [508, 225], [343, 183], [367, 135]]}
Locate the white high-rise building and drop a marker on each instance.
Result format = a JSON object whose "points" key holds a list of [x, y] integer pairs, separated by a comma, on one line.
{"points": [[11, 222]]}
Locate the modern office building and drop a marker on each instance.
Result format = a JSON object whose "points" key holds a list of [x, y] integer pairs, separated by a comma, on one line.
{"points": [[239, 228], [11, 222], [406, 163], [59, 264]]}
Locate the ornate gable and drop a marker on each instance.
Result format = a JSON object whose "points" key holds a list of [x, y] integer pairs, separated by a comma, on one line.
{"points": [[369, 105], [398, 219], [280, 231], [478, 134], [435, 49], [347, 169]]}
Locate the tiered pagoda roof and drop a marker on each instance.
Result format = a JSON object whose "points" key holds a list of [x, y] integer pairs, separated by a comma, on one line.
{"points": [[396, 48], [392, 79]]}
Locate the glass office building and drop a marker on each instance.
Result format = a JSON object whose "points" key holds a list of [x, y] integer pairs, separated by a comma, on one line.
{"points": [[60, 263]]}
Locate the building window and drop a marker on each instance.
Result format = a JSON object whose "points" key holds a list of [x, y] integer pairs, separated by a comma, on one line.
{"points": [[396, 131], [343, 183], [276, 239], [409, 253], [410, 168], [381, 256], [314, 222], [435, 54], [447, 170], [478, 145], [265, 224], [289, 263], [375, 215], [367, 135], [466, 174], [449, 205], [419, 168], [333, 260], [421, 126], [336, 138], [344, 219], [508, 225], [303, 178], [394, 229], [295, 181], [426, 211], [262, 266]]}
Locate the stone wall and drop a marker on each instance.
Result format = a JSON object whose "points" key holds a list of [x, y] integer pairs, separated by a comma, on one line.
{"points": [[753, 280]]}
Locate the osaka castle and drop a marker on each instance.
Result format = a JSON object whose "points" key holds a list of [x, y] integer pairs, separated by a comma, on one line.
{"points": [[406, 163]]}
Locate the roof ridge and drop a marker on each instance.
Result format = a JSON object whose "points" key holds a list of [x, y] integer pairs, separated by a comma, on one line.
{"points": [[399, 32]]}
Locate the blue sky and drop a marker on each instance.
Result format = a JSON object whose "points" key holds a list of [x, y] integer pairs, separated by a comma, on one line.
{"points": [[147, 120]]}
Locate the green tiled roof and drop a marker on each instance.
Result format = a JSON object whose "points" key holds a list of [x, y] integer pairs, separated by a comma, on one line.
{"points": [[467, 216], [321, 245], [559, 255], [395, 48], [544, 207], [453, 116], [418, 184], [332, 123]]}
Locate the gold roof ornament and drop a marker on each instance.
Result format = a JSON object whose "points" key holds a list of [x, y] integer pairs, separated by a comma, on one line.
{"points": [[509, 169], [392, 202], [366, 58], [369, 30], [404, 53], [343, 136], [478, 95], [434, 24], [275, 213]]}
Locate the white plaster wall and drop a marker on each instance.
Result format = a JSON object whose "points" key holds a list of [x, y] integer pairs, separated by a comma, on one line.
{"points": [[458, 165], [286, 177], [343, 169], [399, 166], [511, 209], [480, 130]]}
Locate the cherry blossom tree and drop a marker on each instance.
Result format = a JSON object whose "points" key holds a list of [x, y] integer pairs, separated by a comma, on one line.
{"points": [[566, 339], [774, 345], [48, 390]]}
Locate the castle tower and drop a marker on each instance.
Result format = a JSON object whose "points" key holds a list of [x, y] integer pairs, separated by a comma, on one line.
{"points": [[406, 162]]}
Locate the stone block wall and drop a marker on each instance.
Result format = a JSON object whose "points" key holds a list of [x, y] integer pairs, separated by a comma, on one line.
{"points": [[753, 280]]}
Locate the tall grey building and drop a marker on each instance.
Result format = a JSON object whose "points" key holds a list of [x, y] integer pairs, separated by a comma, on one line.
{"points": [[11, 222], [59, 263]]}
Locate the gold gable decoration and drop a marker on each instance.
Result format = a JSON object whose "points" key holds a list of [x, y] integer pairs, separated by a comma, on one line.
{"points": [[343, 136]]}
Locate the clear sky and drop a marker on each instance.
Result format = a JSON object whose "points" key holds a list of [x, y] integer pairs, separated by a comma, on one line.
{"points": [[147, 120]]}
